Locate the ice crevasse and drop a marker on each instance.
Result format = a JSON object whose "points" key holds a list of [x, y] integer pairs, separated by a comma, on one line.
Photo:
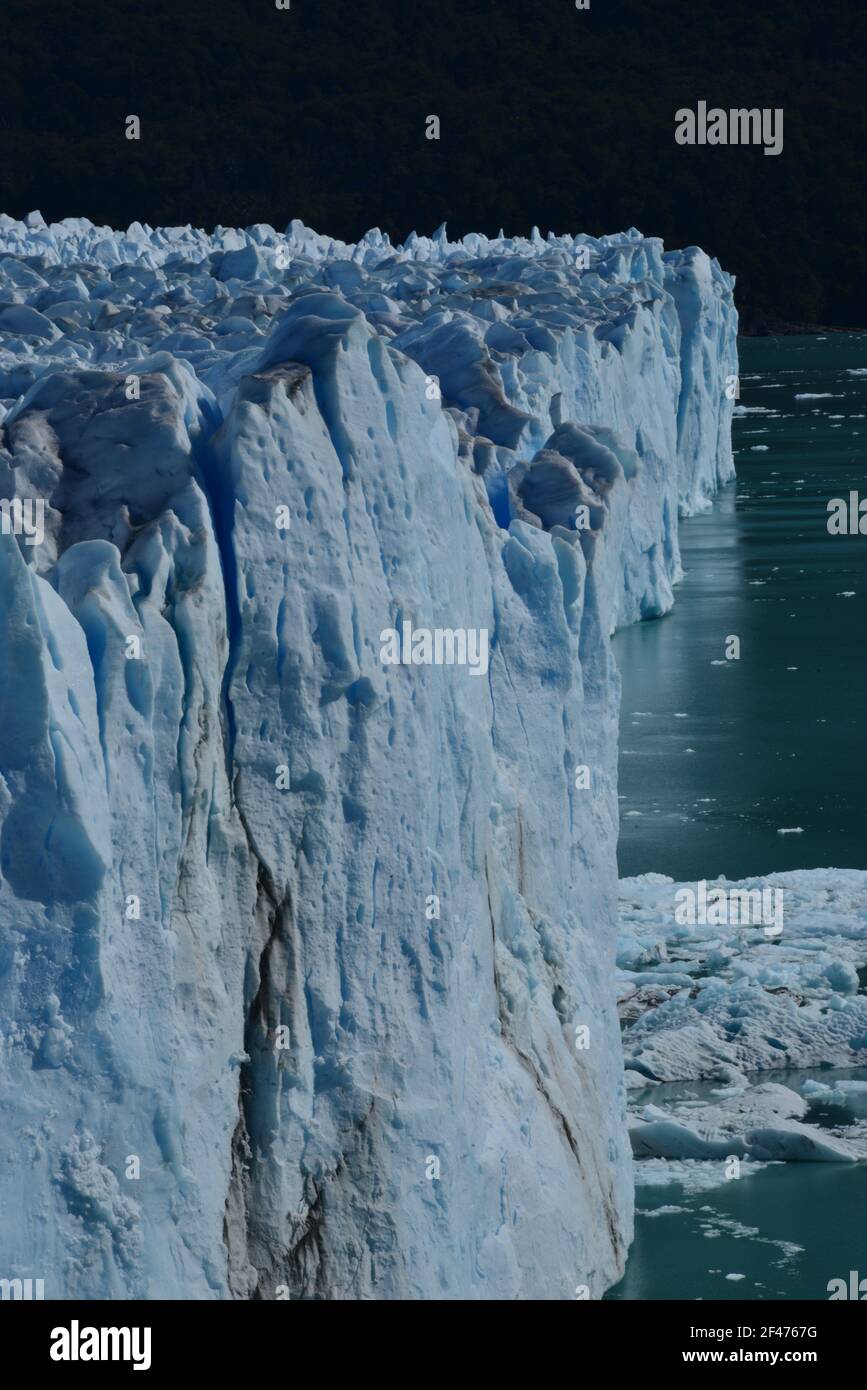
{"points": [[307, 960]]}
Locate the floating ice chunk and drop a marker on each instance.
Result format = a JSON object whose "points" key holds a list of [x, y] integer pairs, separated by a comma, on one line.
{"points": [[693, 1176], [763, 1122]]}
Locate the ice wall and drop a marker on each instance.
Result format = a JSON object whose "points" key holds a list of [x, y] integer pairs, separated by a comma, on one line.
{"points": [[307, 960]]}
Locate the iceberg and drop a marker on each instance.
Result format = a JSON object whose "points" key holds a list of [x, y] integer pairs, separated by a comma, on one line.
{"points": [[307, 959]]}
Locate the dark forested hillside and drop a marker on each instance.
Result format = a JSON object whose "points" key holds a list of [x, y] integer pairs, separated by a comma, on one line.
{"points": [[549, 115]]}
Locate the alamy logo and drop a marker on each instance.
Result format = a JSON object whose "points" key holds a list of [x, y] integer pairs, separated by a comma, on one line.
{"points": [[847, 518], [440, 646], [75, 1343], [739, 126], [23, 516], [720, 907], [22, 1288], [855, 1290]]}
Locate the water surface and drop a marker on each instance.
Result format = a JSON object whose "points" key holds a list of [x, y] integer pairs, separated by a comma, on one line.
{"points": [[718, 756], [776, 740], [786, 1230]]}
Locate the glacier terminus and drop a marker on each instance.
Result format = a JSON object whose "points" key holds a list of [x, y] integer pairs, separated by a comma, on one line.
{"points": [[308, 958]]}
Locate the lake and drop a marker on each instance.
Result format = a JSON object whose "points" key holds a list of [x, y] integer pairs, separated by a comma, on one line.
{"points": [[718, 756], [715, 760]]}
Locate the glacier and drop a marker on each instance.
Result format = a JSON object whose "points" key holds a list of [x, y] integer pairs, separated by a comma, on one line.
{"points": [[307, 962]]}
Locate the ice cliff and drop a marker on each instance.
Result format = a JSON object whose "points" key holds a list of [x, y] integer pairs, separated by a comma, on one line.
{"points": [[307, 961]]}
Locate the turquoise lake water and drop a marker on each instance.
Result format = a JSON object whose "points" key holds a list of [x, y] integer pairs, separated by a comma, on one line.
{"points": [[717, 759], [784, 1231], [772, 747]]}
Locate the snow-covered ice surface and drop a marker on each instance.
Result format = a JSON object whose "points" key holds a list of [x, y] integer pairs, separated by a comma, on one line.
{"points": [[718, 1002], [294, 945]]}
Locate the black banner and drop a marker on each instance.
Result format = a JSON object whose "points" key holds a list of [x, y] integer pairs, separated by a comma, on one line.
{"points": [[160, 1338]]}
